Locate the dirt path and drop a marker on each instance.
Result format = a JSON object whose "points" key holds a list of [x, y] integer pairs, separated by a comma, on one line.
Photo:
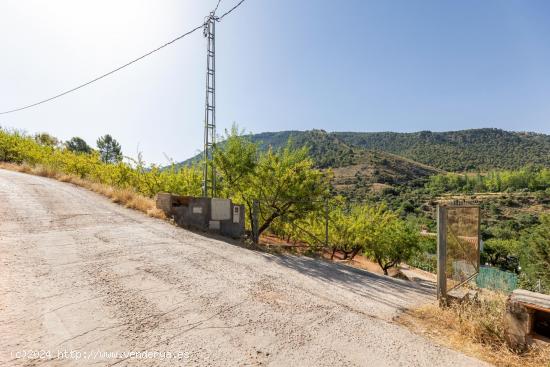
{"points": [[80, 274]]}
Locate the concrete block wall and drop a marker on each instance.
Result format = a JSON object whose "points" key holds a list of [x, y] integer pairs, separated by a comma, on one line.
{"points": [[207, 214], [522, 308]]}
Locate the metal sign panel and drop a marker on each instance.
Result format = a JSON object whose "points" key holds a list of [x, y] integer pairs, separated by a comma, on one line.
{"points": [[236, 214]]}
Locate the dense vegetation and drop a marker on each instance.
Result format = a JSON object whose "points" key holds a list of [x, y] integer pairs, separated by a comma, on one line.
{"points": [[465, 150], [16, 147], [529, 178], [356, 228], [477, 149], [535, 259]]}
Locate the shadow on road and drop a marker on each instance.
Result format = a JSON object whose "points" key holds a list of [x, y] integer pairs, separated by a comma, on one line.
{"points": [[396, 293]]}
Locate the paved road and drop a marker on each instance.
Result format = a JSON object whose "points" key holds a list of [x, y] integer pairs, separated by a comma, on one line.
{"points": [[82, 275]]}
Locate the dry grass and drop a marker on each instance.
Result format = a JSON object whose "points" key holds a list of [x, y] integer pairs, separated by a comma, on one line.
{"points": [[126, 197], [475, 328]]}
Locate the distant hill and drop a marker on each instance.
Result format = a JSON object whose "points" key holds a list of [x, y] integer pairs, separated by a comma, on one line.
{"points": [[477, 149], [377, 171], [325, 149], [464, 150]]}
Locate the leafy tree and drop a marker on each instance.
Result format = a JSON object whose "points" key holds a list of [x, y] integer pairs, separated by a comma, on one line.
{"points": [[343, 231], [373, 230], [46, 139], [502, 253], [109, 149], [388, 240], [78, 145], [235, 161], [283, 181], [535, 261], [286, 184]]}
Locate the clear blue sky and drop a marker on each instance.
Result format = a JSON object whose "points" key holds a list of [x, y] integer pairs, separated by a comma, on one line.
{"points": [[334, 65]]}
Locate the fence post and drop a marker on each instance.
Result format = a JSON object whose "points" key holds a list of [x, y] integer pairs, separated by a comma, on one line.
{"points": [[441, 254], [255, 225]]}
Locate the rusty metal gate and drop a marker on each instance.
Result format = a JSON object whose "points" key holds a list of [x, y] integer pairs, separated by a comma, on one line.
{"points": [[458, 238]]}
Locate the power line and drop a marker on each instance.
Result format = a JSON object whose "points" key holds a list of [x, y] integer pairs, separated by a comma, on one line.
{"points": [[230, 10], [216, 8], [122, 66], [104, 75]]}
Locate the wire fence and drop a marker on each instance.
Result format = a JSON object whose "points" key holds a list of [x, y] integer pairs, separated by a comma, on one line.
{"points": [[496, 279], [424, 261]]}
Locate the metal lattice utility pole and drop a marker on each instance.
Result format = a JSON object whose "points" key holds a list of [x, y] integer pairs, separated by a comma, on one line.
{"points": [[209, 171]]}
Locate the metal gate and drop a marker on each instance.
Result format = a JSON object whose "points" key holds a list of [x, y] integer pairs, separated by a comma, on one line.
{"points": [[458, 238]]}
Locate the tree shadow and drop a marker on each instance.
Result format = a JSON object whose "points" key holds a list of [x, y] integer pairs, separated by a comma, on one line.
{"points": [[396, 293]]}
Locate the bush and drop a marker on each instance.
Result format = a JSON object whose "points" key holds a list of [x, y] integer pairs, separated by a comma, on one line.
{"points": [[535, 259], [18, 148], [475, 327]]}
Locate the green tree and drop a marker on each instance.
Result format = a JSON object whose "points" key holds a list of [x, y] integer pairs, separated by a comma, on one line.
{"points": [[109, 149], [46, 139], [284, 181], [286, 185], [78, 145], [343, 231], [535, 260], [235, 161], [502, 253], [388, 240]]}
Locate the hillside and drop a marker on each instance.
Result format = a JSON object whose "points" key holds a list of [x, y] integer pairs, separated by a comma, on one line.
{"points": [[376, 171], [325, 149], [464, 150], [364, 161], [478, 149], [356, 169]]}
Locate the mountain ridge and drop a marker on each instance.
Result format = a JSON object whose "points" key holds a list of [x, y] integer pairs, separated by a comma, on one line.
{"points": [[458, 151]]}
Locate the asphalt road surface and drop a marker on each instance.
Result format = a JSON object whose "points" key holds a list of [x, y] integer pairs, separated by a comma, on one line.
{"points": [[84, 281]]}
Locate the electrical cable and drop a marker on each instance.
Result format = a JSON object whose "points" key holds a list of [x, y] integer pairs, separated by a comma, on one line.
{"points": [[216, 8], [104, 75], [230, 10], [120, 67]]}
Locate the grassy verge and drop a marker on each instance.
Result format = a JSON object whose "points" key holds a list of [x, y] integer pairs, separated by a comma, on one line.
{"points": [[127, 197], [475, 328]]}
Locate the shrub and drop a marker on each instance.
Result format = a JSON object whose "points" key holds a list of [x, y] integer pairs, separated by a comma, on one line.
{"points": [[51, 161]]}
